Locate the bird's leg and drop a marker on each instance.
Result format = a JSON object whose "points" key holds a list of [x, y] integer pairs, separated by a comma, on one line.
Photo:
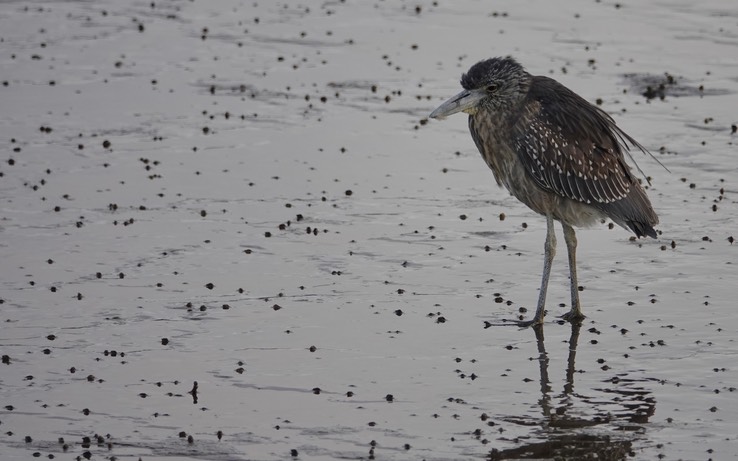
{"points": [[575, 314], [549, 251]]}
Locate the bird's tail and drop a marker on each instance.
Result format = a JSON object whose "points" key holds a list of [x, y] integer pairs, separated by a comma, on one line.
{"points": [[641, 229], [634, 212]]}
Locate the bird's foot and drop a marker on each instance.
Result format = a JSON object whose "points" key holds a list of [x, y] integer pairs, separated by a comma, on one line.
{"points": [[573, 316], [536, 322], [529, 323], [518, 323]]}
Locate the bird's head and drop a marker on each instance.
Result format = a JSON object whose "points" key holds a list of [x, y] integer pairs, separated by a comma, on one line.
{"points": [[492, 84]]}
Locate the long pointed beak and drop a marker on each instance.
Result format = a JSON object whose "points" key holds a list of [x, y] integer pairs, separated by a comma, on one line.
{"points": [[466, 101]]}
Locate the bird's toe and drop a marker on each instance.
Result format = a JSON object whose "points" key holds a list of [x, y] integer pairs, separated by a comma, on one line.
{"points": [[529, 323], [573, 316]]}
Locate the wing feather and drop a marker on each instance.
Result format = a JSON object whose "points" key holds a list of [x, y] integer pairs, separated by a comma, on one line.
{"points": [[575, 154]]}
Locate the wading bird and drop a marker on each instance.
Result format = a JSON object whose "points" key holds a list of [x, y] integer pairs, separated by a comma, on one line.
{"points": [[555, 152]]}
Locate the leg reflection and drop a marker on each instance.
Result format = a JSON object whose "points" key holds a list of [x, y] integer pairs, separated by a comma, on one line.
{"points": [[567, 426]]}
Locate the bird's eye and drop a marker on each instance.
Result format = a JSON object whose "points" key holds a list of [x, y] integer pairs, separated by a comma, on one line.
{"points": [[491, 88]]}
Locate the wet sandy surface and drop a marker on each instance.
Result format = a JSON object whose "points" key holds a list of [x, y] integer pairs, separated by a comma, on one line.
{"points": [[249, 196]]}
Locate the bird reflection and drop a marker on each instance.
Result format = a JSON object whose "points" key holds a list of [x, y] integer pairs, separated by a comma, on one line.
{"points": [[568, 430]]}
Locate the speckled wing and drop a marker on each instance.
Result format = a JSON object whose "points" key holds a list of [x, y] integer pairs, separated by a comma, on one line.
{"points": [[570, 147]]}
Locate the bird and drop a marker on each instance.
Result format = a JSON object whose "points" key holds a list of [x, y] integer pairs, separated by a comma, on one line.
{"points": [[555, 152]]}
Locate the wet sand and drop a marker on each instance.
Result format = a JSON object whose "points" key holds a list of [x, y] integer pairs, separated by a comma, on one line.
{"points": [[250, 197]]}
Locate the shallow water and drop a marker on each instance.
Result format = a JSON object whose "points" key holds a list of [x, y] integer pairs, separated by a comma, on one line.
{"points": [[249, 196]]}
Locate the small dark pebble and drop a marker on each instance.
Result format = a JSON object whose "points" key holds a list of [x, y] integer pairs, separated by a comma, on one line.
{"points": [[389, 398], [293, 453], [164, 341]]}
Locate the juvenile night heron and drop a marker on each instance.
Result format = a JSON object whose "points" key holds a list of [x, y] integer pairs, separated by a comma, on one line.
{"points": [[556, 153]]}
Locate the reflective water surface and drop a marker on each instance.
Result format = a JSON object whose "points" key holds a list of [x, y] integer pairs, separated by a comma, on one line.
{"points": [[228, 231]]}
